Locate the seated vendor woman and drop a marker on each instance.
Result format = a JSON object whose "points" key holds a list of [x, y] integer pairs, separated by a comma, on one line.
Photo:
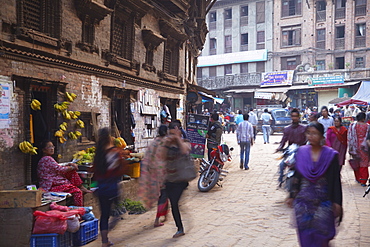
{"points": [[56, 178]]}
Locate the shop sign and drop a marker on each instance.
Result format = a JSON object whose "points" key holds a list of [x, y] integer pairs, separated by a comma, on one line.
{"points": [[278, 78], [322, 81], [262, 95], [196, 130], [4, 104]]}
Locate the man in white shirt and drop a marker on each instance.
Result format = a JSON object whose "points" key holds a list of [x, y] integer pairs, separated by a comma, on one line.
{"points": [[266, 121], [254, 121], [325, 119], [244, 135]]}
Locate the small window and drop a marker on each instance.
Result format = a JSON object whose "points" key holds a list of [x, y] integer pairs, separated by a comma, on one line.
{"points": [[340, 32], [359, 62], [321, 5], [320, 64], [212, 71], [228, 14], [291, 7], [290, 63], [360, 30], [244, 11], [212, 16], [260, 12], [261, 37], [228, 44], [199, 73], [339, 63], [260, 67], [291, 36], [243, 68], [213, 43], [228, 69], [244, 39]]}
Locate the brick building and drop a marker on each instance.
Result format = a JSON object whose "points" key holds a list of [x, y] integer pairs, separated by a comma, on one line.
{"points": [[124, 59]]}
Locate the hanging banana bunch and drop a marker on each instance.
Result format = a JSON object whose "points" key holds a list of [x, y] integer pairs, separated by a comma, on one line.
{"points": [[120, 142], [63, 126], [35, 105], [72, 135], [71, 96], [27, 148], [80, 124], [66, 115], [61, 107]]}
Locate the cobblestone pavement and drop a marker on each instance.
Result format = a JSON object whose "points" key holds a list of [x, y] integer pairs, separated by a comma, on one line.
{"points": [[248, 210]]}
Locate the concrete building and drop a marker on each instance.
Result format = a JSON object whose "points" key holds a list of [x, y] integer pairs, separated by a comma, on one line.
{"points": [[315, 51], [236, 50]]}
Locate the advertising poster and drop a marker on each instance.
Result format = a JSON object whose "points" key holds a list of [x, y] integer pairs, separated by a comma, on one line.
{"points": [[277, 78], [4, 105], [197, 128]]}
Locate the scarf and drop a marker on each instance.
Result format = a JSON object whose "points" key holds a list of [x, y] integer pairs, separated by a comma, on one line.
{"points": [[352, 139], [341, 134], [306, 166]]}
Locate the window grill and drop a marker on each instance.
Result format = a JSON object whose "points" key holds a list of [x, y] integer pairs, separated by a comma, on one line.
{"points": [[122, 38]]}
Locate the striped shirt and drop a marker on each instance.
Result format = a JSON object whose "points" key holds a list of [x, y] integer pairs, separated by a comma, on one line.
{"points": [[244, 132]]}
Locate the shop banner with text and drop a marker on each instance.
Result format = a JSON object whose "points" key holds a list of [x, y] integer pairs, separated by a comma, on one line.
{"points": [[278, 78], [197, 128]]}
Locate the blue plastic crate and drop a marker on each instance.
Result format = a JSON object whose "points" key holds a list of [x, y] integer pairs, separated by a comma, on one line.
{"points": [[88, 232], [51, 240]]}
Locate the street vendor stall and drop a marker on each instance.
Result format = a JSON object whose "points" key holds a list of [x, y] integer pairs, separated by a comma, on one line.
{"points": [[362, 96]]}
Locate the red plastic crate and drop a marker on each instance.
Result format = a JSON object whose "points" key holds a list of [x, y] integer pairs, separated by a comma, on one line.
{"points": [[51, 240], [88, 232]]}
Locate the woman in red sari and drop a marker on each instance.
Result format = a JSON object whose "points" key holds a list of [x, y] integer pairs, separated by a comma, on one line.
{"points": [[336, 137], [356, 135]]}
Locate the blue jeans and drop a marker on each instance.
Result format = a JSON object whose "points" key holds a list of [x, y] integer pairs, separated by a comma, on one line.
{"points": [[266, 133], [245, 148]]}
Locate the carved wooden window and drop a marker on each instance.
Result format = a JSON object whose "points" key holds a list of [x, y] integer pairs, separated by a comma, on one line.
{"points": [[149, 56], [171, 57], [122, 37], [88, 31], [40, 15]]}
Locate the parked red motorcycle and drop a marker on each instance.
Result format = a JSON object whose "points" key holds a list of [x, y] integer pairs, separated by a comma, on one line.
{"points": [[211, 172]]}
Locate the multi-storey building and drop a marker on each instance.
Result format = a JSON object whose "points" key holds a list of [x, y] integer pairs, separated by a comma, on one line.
{"points": [[236, 50], [318, 47], [126, 60]]}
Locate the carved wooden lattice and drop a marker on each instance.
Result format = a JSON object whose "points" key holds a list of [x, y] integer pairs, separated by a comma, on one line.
{"points": [[41, 15], [122, 38], [171, 58]]}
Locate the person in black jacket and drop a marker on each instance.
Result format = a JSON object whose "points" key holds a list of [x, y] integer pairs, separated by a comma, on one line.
{"points": [[214, 134]]}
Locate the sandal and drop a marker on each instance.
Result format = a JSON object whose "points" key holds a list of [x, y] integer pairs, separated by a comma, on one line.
{"points": [[157, 225]]}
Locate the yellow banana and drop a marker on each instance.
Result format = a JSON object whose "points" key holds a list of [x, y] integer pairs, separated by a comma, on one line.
{"points": [[65, 124], [62, 127], [66, 115], [78, 133], [69, 97], [35, 105], [21, 147], [36, 102], [33, 151], [77, 113], [62, 139], [28, 144], [59, 133], [74, 96]]}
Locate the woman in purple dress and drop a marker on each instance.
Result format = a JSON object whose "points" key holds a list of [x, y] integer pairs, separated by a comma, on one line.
{"points": [[336, 137], [316, 193]]}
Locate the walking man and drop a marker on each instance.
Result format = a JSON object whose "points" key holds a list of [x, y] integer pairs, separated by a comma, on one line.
{"points": [[239, 117], [294, 133], [254, 121], [244, 135], [266, 121]]}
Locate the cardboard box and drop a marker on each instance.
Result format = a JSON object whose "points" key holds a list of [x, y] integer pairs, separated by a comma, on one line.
{"points": [[20, 198]]}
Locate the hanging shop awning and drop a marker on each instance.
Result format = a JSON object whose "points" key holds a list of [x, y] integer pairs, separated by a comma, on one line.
{"points": [[362, 96], [219, 100]]}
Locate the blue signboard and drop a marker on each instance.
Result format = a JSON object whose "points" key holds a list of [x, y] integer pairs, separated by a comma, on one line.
{"points": [[196, 130], [278, 78], [329, 80]]}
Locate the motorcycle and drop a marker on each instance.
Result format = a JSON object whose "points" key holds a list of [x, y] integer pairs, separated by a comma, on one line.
{"points": [[288, 157], [212, 172]]}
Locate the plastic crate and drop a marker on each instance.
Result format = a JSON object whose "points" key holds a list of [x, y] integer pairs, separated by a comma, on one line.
{"points": [[51, 240], [88, 232]]}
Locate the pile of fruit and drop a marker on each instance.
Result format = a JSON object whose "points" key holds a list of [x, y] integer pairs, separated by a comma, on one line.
{"points": [[85, 156]]}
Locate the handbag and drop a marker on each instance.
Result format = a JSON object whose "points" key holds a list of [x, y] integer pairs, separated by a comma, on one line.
{"points": [[181, 169], [355, 164]]}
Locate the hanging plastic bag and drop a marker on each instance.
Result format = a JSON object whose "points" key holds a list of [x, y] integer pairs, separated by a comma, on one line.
{"points": [[46, 223], [73, 224]]}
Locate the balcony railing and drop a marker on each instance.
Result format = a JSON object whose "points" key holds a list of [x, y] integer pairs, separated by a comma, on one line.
{"points": [[321, 15], [360, 41], [360, 10], [244, 21], [244, 47], [339, 43], [348, 74], [320, 44], [340, 13], [228, 81]]}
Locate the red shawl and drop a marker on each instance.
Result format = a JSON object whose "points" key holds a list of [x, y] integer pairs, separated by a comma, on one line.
{"points": [[341, 134]]}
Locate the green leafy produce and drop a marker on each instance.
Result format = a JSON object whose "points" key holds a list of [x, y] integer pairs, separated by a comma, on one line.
{"points": [[133, 207]]}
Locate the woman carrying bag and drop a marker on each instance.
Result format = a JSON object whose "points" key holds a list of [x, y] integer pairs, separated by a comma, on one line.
{"points": [[176, 180]]}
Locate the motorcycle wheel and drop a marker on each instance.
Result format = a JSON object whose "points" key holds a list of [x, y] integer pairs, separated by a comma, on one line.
{"points": [[206, 183]]}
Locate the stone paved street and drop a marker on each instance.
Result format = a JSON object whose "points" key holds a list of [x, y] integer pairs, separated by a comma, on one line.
{"points": [[248, 210]]}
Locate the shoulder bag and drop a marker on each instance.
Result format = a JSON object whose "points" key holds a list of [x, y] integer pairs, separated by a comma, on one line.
{"points": [[181, 169]]}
